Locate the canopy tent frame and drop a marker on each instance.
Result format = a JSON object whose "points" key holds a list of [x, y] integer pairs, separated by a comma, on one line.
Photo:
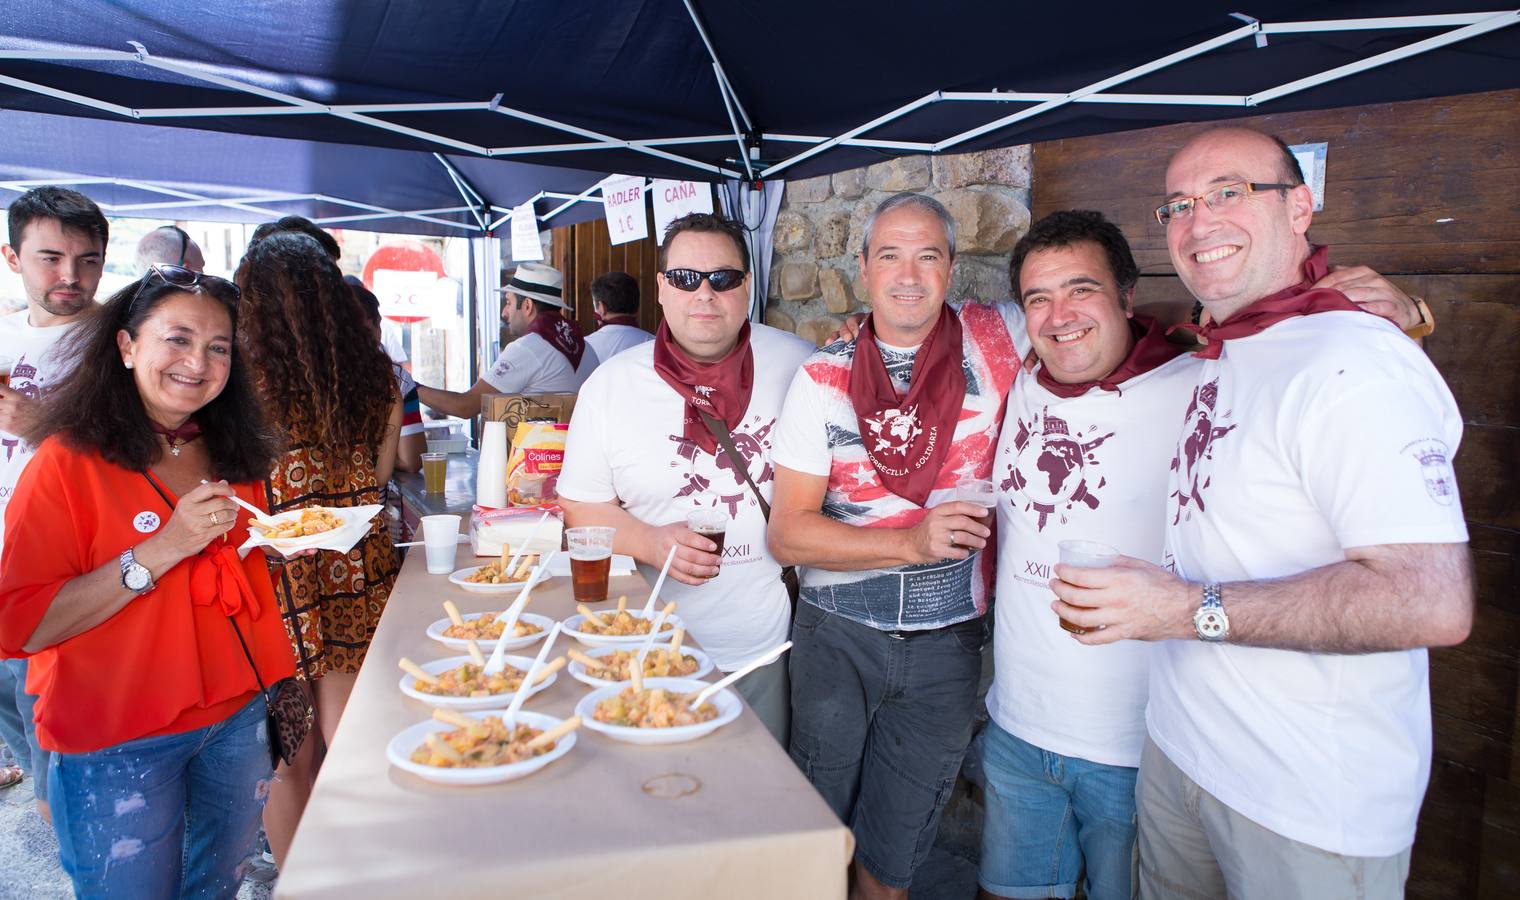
{"points": [[1464, 26]]}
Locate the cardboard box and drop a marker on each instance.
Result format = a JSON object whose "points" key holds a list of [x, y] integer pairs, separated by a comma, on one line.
{"points": [[517, 408]]}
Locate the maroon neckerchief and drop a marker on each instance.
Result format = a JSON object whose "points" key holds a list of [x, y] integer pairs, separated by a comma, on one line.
{"points": [[1151, 349], [1302, 299], [721, 389], [617, 319], [177, 437], [561, 333], [908, 438]]}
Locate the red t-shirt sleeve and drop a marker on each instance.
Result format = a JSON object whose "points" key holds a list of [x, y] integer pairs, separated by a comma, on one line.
{"points": [[44, 545]]}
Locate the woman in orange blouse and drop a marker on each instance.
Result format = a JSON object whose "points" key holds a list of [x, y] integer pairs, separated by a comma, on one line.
{"points": [[120, 573]]}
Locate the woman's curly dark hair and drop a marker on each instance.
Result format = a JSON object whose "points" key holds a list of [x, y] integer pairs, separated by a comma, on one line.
{"points": [[97, 408], [320, 370]]}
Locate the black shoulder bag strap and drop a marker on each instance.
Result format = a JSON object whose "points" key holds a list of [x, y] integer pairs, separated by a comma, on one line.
{"points": [[257, 678], [726, 441]]}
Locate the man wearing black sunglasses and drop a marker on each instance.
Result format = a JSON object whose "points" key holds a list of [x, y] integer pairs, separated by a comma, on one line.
{"points": [[640, 457], [58, 247], [169, 245]]}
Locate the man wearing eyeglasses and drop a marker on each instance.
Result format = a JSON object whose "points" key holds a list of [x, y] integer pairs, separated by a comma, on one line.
{"points": [[683, 424], [1314, 546], [58, 247], [169, 245], [549, 355]]}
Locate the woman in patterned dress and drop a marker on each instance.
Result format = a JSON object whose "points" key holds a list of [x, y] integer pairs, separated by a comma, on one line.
{"points": [[327, 382]]}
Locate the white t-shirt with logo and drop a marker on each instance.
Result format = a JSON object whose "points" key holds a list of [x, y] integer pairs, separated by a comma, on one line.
{"points": [[531, 365], [34, 370], [627, 444], [1088, 468], [610, 340], [1320, 433]]}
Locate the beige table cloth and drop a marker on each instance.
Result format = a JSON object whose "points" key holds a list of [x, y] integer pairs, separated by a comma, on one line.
{"points": [[727, 815]]}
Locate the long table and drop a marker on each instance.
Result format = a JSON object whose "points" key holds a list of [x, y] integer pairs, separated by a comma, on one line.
{"points": [[727, 815]]}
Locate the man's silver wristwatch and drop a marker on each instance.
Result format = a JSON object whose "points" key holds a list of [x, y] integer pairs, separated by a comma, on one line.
{"points": [[1210, 621], [135, 576]]}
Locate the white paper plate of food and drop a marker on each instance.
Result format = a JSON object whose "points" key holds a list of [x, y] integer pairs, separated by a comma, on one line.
{"points": [[611, 709], [462, 686], [487, 579], [612, 664], [627, 628], [485, 630], [485, 756], [313, 528]]}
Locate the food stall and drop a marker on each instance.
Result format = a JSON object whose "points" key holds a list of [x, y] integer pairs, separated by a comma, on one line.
{"points": [[725, 815]]}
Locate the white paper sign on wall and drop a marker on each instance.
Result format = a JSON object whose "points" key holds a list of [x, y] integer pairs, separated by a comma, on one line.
{"points": [[674, 199], [525, 245], [1311, 162], [623, 202]]}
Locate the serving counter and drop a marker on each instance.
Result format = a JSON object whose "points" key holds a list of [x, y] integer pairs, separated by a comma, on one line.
{"points": [[727, 815]]}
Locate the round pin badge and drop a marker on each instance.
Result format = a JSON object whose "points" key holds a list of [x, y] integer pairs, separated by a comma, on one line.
{"points": [[146, 521]]}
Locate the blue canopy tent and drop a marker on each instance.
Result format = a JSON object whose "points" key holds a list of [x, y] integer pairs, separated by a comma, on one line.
{"points": [[464, 94], [440, 118]]}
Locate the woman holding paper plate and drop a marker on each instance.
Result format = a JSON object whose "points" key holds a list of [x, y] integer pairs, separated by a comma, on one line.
{"points": [[123, 583], [326, 381]]}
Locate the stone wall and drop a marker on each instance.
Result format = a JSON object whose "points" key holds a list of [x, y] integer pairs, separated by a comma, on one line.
{"points": [[815, 272]]}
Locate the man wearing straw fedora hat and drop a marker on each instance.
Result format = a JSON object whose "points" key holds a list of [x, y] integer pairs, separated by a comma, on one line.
{"points": [[549, 354]]}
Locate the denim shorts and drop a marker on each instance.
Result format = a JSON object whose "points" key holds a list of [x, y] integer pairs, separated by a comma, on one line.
{"points": [[1049, 817], [880, 723]]}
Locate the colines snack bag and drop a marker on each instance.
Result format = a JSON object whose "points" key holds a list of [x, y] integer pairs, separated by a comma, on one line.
{"points": [[538, 453]]}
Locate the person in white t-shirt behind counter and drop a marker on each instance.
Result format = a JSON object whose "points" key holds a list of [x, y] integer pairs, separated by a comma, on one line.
{"points": [[615, 303], [640, 458], [58, 247], [1314, 547], [549, 355]]}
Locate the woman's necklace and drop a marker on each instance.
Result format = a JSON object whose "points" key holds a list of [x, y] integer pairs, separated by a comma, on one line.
{"points": [[178, 437]]}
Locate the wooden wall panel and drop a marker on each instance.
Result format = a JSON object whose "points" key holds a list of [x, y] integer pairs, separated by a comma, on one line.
{"points": [[584, 252], [1392, 171]]}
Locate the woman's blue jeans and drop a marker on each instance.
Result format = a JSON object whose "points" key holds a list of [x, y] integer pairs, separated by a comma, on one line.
{"points": [[168, 816]]}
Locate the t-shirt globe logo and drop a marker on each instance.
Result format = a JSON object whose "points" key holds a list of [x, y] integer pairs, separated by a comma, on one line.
{"points": [[1196, 447], [1050, 467], [752, 440], [895, 430]]}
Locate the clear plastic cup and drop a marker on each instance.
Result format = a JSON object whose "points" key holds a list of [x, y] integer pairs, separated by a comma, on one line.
{"points": [[711, 524], [1088, 555], [981, 492], [590, 561], [440, 540], [435, 472]]}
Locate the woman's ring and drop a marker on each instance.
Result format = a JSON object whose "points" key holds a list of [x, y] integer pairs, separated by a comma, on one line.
{"points": [[214, 519], [952, 540]]}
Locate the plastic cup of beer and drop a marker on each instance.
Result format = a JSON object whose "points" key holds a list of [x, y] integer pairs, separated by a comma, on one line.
{"points": [[590, 561], [435, 470], [980, 492], [440, 539], [7, 362], [711, 524], [1088, 555]]}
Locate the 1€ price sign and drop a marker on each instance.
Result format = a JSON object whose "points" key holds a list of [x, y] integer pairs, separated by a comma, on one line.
{"points": [[623, 202]]}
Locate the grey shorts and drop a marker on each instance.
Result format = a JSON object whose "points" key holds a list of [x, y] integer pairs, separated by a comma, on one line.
{"points": [[880, 723], [1194, 847]]}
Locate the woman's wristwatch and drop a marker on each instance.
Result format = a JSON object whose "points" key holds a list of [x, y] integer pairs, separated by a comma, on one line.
{"points": [[135, 576]]}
